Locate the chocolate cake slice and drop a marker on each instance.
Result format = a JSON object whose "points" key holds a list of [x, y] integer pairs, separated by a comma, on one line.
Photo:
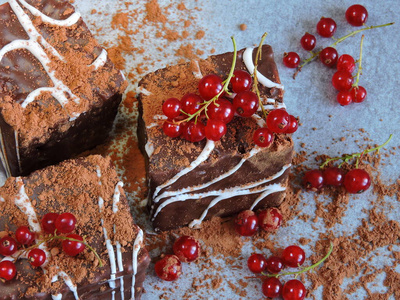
{"points": [[89, 189], [191, 182], [59, 91]]}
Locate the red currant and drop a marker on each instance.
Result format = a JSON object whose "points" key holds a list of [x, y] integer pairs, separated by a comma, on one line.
{"points": [[356, 15], [222, 110], [186, 248], [313, 180], [171, 108], [294, 290], [328, 56], [344, 98], [291, 59], [24, 236], [278, 120], [245, 103], [48, 222], [65, 223], [246, 223], [333, 176], [193, 131], [8, 246], [168, 268], [172, 129], [272, 287], [342, 80], [7, 270], [190, 103], [326, 27], [274, 264], [215, 129], [73, 248], [293, 125], [263, 137], [346, 63], [308, 41], [241, 81], [210, 86], [356, 181], [37, 257], [293, 256], [256, 263], [358, 94], [270, 219]]}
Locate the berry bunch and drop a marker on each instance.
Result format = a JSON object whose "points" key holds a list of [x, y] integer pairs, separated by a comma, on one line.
{"points": [[247, 222], [186, 249], [52, 223]]}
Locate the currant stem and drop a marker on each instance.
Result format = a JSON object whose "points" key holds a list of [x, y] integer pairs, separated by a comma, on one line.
{"points": [[258, 57], [359, 71], [346, 157]]}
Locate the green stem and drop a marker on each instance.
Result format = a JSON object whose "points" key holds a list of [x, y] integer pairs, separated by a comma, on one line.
{"points": [[258, 57], [355, 84], [347, 157]]}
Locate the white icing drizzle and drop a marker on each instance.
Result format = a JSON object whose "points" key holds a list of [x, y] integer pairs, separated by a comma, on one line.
{"points": [[17, 150], [149, 147], [260, 121], [3, 155], [197, 73], [248, 61], [142, 90], [56, 297], [2, 199], [100, 60], [136, 249], [68, 283]]}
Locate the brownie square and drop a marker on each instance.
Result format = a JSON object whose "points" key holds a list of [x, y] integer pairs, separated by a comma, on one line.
{"points": [[59, 91], [89, 189], [191, 182]]}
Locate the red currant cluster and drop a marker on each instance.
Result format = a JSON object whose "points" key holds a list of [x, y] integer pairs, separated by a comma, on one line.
{"points": [[186, 249], [247, 222]]}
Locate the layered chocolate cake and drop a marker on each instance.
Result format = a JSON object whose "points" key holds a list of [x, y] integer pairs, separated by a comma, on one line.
{"points": [[191, 182], [89, 189], [59, 91]]}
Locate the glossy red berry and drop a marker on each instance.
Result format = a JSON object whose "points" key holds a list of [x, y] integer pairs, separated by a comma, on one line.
{"points": [[36, 257], [245, 104], [356, 15], [193, 131], [358, 94], [241, 81], [172, 129], [270, 219], [291, 59], [7, 270], [346, 63], [344, 98], [293, 256], [313, 180], [190, 103], [210, 86], [278, 120], [272, 287], [256, 263], [8, 246], [246, 223], [328, 56], [263, 137], [215, 129], [326, 27], [293, 125], [168, 268], [274, 264], [73, 248], [294, 290], [333, 176], [222, 110], [357, 181], [342, 80], [171, 108], [186, 248], [308, 41], [65, 223], [24, 236], [48, 222]]}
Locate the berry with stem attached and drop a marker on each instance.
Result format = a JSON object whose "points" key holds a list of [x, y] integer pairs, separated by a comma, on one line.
{"points": [[256, 263], [313, 180], [358, 94], [7, 270], [172, 129], [272, 287], [328, 56], [215, 129], [326, 27], [73, 245], [24, 236], [246, 223], [65, 223], [171, 108], [8, 246], [344, 98], [346, 63], [241, 81], [291, 59], [168, 268], [270, 219], [48, 222], [210, 86], [308, 41], [356, 15], [356, 181], [278, 120], [342, 80], [293, 256], [274, 264], [245, 104], [333, 176], [186, 248], [36, 257], [221, 109], [263, 137], [294, 290]]}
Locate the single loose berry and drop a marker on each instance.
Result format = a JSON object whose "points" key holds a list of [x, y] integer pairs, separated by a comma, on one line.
{"points": [[245, 104], [344, 98], [24, 236], [342, 80], [278, 120], [186, 248], [346, 63], [36, 257], [73, 248], [171, 108], [293, 256], [241, 81], [193, 131], [274, 264], [356, 181], [191, 103], [272, 287], [215, 129], [8, 246], [222, 110], [293, 125], [326, 27], [356, 15], [48, 222], [246, 223], [172, 129], [65, 223], [333, 176], [291, 59], [7, 270], [313, 180], [263, 137], [294, 290], [168, 268], [210, 86], [328, 56], [256, 263], [308, 41], [358, 94], [270, 219]]}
